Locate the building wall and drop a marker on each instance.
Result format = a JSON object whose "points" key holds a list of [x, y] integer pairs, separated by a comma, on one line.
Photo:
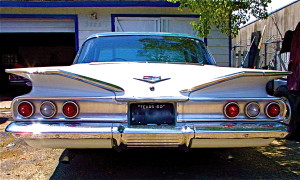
{"points": [[286, 19], [88, 25], [218, 43]]}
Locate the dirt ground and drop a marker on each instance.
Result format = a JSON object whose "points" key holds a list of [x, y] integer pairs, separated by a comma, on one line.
{"points": [[20, 161]]}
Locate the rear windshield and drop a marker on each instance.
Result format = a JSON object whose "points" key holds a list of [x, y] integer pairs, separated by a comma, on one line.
{"points": [[144, 49]]}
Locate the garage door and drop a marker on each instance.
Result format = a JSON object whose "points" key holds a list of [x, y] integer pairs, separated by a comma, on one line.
{"points": [[11, 25]]}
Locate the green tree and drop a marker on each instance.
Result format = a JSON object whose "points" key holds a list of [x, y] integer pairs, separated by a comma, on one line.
{"points": [[227, 15]]}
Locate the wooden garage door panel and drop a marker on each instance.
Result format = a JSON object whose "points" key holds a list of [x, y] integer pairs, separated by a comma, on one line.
{"points": [[36, 25], [178, 25], [139, 24]]}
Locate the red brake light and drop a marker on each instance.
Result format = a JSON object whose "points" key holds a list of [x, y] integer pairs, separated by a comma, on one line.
{"points": [[70, 109], [25, 109], [272, 110], [231, 110]]}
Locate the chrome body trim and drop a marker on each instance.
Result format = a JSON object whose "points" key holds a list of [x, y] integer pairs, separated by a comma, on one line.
{"points": [[192, 110], [288, 113], [91, 109], [142, 34], [147, 135], [230, 143], [90, 80], [211, 109], [152, 81], [85, 79], [155, 99], [234, 76]]}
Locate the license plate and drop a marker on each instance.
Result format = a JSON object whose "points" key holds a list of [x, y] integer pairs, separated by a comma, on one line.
{"points": [[152, 113]]}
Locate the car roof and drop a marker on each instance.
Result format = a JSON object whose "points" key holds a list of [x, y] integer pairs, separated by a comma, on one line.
{"points": [[142, 34]]}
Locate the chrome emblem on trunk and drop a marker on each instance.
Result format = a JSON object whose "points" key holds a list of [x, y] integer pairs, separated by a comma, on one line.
{"points": [[152, 79]]}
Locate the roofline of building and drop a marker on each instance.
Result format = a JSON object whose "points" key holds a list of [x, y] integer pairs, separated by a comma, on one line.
{"points": [[87, 4], [271, 13]]}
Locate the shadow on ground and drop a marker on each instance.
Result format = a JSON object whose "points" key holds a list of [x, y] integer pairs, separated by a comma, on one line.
{"points": [[171, 164]]}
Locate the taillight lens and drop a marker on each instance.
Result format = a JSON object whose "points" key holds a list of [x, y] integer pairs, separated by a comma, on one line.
{"points": [[70, 109], [231, 110], [252, 110], [25, 109], [48, 109], [272, 110]]}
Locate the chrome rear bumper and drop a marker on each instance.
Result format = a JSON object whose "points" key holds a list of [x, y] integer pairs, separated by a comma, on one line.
{"points": [[108, 135]]}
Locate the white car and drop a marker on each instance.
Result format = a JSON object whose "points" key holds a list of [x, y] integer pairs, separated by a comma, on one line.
{"points": [[147, 90]]}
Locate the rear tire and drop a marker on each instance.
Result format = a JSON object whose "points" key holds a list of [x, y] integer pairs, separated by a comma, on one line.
{"points": [[294, 124]]}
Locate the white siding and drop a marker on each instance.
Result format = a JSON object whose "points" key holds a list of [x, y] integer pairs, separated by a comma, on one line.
{"points": [[218, 44]]}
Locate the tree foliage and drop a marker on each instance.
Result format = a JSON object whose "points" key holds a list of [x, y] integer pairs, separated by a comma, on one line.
{"points": [[227, 15]]}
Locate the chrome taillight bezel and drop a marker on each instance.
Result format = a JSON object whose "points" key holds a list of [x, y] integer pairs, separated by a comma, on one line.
{"points": [[53, 105], [267, 107], [32, 107], [70, 117], [247, 113], [226, 106]]}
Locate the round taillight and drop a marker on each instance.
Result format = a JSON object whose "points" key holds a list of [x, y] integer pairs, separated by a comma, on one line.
{"points": [[70, 109], [48, 109], [231, 110], [25, 109], [272, 110], [252, 110]]}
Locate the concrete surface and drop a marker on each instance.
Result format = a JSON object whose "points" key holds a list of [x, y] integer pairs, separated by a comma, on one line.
{"points": [[5, 104], [5, 110]]}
